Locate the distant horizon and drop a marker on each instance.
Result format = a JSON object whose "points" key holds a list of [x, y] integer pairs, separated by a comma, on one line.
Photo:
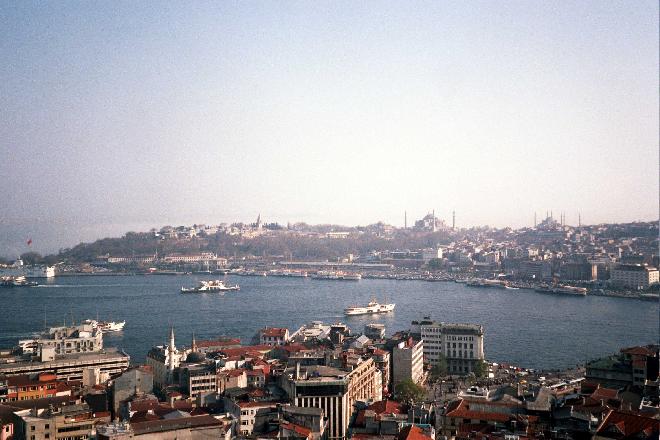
{"points": [[114, 231]]}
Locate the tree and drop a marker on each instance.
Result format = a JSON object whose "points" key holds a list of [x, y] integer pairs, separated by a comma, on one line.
{"points": [[30, 258], [440, 368], [480, 369], [434, 264], [407, 391]]}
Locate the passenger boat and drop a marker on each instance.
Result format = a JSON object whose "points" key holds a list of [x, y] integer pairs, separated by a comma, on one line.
{"points": [[106, 326], [371, 308], [210, 286], [19, 281]]}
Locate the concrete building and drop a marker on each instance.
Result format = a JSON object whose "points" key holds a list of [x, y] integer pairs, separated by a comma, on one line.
{"points": [[134, 381], [71, 366], [83, 338], [408, 361], [462, 345], [61, 422], [250, 415], [334, 390], [634, 276]]}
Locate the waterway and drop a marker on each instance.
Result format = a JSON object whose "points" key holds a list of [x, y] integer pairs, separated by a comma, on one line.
{"points": [[522, 327]]}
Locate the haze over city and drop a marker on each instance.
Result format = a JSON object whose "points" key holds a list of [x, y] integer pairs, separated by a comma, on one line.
{"points": [[123, 116]]}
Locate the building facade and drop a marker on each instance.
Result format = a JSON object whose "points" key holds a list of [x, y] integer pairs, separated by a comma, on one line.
{"points": [[634, 276], [408, 361], [333, 390], [462, 345]]}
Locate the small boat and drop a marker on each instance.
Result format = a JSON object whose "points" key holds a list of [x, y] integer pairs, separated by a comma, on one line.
{"points": [[210, 286]]}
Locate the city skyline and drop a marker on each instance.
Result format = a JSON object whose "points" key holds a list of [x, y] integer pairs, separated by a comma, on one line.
{"points": [[125, 117]]}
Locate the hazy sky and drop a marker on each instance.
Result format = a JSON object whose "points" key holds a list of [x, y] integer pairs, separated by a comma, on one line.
{"points": [[127, 115]]}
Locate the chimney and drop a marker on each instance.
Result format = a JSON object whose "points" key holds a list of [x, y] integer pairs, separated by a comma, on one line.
{"points": [[297, 370]]}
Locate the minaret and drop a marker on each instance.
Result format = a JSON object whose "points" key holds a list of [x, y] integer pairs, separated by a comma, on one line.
{"points": [[405, 219], [579, 219], [453, 220], [193, 344], [171, 349]]}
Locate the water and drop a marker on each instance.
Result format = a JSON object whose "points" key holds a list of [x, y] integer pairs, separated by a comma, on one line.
{"points": [[521, 326]]}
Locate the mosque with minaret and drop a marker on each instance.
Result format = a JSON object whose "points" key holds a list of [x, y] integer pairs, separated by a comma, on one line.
{"points": [[165, 359]]}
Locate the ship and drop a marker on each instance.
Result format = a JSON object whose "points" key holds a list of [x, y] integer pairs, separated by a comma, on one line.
{"points": [[106, 326], [18, 269], [487, 283], [371, 308], [337, 275], [210, 286], [18, 281], [562, 290]]}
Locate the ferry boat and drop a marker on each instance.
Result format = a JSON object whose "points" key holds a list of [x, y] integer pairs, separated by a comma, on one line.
{"points": [[372, 307], [106, 326], [210, 286], [487, 283], [18, 269], [336, 275], [19, 281], [562, 290]]}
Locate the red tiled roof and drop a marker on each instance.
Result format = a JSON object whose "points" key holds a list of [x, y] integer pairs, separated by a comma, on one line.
{"points": [[622, 425], [605, 394], [412, 432], [274, 332], [386, 407], [462, 411], [218, 343], [301, 430], [642, 351]]}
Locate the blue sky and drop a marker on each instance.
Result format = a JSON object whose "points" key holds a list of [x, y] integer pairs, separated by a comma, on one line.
{"points": [[127, 115]]}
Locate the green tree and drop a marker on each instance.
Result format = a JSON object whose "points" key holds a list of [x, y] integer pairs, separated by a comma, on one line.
{"points": [[32, 258], [434, 264], [407, 391], [440, 368], [480, 369]]}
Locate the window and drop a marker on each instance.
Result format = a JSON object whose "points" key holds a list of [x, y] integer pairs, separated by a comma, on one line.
{"points": [[47, 426], [32, 428]]}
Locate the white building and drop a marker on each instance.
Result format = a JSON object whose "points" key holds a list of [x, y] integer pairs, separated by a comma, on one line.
{"points": [[164, 359], [408, 361], [333, 390], [462, 345], [634, 276]]}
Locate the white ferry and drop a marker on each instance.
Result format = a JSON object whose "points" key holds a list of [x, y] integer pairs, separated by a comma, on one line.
{"points": [[372, 307], [18, 269], [106, 326], [19, 281], [210, 286], [337, 275]]}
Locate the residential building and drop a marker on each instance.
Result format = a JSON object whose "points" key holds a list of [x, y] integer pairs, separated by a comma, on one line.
{"points": [[461, 345], [334, 390], [59, 422], [28, 387], [71, 366], [273, 336], [134, 381], [408, 361], [634, 276]]}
